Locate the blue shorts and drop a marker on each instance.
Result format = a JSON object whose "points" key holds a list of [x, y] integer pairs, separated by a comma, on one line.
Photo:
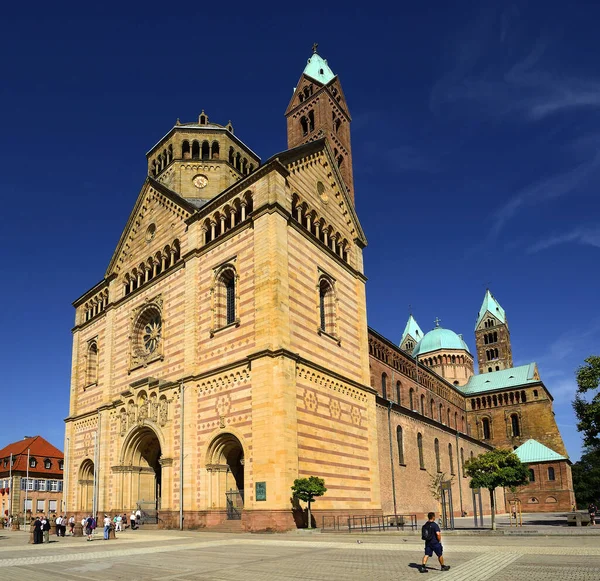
{"points": [[435, 548]]}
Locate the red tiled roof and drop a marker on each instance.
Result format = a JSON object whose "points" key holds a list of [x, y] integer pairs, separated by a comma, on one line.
{"points": [[39, 449]]}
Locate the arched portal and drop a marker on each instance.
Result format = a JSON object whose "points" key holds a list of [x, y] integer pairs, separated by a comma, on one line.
{"points": [[225, 466], [141, 470], [85, 485]]}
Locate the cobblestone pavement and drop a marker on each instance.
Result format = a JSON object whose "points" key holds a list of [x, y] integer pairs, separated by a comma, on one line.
{"points": [[187, 556]]}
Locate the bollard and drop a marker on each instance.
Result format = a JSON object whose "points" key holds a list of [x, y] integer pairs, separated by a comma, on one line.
{"points": [[78, 530]]}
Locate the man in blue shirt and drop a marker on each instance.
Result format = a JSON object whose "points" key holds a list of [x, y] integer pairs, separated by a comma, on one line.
{"points": [[432, 536]]}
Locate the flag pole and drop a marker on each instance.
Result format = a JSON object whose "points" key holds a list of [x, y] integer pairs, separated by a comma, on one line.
{"points": [[10, 489], [26, 491]]}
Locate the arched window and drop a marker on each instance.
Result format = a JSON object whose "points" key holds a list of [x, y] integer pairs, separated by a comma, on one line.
{"points": [[451, 458], [432, 408], [462, 462], [214, 151], [311, 121], [448, 416], [485, 425], [326, 306], [551, 475], [420, 447], [92, 363], [411, 397], [400, 442], [304, 125], [398, 391], [438, 463], [531, 475], [195, 150], [516, 428], [231, 156], [456, 420], [225, 299], [422, 405], [384, 385], [441, 413], [185, 150], [205, 150]]}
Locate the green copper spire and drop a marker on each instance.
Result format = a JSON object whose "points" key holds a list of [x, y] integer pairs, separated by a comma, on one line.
{"points": [[318, 69], [492, 306], [413, 330]]}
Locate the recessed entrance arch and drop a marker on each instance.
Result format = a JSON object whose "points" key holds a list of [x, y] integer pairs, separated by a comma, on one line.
{"points": [[141, 470], [225, 466], [85, 485]]}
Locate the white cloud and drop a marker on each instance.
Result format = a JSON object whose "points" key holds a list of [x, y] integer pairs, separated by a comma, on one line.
{"points": [[582, 235]]}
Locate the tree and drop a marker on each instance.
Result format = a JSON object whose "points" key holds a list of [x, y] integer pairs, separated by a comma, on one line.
{"points": [[588, 412], [435, 486], [586, 477], [496, 468], [306, 489]]}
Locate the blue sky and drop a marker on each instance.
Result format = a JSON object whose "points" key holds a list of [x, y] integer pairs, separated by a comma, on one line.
{"points": [[475, 137]]}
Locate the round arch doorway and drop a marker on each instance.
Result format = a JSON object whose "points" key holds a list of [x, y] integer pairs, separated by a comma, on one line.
{"points": [[141, 474], [85, 484], [225, 465]]}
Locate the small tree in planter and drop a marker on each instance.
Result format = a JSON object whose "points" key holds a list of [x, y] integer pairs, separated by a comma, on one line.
{"points": [[496, 468], [306, 489]]}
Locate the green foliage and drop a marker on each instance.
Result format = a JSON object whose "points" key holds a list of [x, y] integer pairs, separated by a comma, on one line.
{"points": [[496, 468], [435, 484], [306, 489], [586, 477], [588, 410]]}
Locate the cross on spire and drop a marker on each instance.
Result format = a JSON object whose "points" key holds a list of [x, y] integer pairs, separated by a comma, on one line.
{"points": [[437, 322], [314, 47]]}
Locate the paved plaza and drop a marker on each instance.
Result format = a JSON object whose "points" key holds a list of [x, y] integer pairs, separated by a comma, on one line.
{"points": [[181, 556]]}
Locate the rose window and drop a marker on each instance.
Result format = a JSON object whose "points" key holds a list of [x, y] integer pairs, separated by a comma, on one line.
{"points": [[151, 334]]}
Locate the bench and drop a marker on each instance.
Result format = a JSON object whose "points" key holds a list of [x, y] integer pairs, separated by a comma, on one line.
{"points": [[579, 519]]}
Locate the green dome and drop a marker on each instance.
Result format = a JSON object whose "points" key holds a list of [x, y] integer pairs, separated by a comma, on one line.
{"points": [[439, 338]]}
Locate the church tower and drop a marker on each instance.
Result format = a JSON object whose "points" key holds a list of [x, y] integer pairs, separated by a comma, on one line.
{"points": [[318, 109], [492, 336]]}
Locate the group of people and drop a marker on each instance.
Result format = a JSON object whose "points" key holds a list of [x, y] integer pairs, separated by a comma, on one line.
{"points": [[43, 524], [118, 523]]}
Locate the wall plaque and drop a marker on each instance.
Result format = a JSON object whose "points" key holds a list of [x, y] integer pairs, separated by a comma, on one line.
{"points": [[261, 491]]}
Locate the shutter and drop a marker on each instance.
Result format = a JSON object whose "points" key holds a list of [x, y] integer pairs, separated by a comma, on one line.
{"points": [[60, 486], [23, 483]]}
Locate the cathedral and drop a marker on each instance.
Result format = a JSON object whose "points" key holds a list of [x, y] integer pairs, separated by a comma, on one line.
{"points": [[226, 351]]}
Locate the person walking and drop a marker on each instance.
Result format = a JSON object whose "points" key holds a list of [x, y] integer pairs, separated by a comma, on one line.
{"points": [[106, 526], [138, 518], [58, 523], [132, 520], [72, 525], [118, 520], [89, 527], [431, 534], [592, 510]]}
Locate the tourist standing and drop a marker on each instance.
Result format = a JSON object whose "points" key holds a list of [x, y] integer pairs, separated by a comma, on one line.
{"points": [[72, 525], [118, 520], [106, 526], [431, 534], [90, 525], [592, 510], [132, 520], [58, 523], [46, 526], [138, 518], [37, 531]]}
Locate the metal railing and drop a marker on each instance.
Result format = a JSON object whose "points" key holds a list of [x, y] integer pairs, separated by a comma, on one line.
{"points": [[366, 523]]}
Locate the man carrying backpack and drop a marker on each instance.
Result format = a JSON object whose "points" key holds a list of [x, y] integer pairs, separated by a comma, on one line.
{"points": [[431, 534]]}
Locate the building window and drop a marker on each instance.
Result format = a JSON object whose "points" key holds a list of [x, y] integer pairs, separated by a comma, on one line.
{"points": [[40, 505], [422, 405], [54, 485], [52, 505], [31, 484], [535, 393], [47, 464], [516, 428], [224, 294], [411, 397], [432, 408], [92, 363], [384, 386], [531, 475], [400, 442], [32, 462], [437, 455], [326, 306], [398, 392], [485, 425], [41, 485], [420, 447], [451, 458], [61, 464], [462, 462], [551, 475]]}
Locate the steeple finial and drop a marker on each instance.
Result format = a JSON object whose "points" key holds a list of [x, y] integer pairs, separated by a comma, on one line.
{"points": [[315, 46], [437, 322]]}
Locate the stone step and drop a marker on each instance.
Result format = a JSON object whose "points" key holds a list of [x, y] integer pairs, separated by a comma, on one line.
{"points": [[228, 526]]}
